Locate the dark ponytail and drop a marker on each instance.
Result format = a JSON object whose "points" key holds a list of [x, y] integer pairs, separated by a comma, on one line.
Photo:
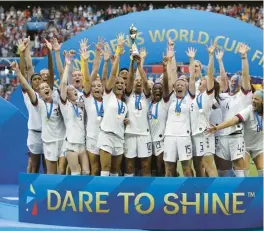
{"points": [[217, 91]]}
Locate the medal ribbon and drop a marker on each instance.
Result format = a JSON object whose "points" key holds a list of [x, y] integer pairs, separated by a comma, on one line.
{"points": [[76, 111], [156, 110], [259, 121], [120, 107], [137, 101], [199, 101], [99, 111], [49, 111], [178, 105]]}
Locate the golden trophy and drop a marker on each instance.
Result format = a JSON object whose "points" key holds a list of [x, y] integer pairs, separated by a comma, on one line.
{"points": [[133, 36]]}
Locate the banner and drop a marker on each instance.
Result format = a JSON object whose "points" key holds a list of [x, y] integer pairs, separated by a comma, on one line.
{"points": [[142, 202], [187, 28]]}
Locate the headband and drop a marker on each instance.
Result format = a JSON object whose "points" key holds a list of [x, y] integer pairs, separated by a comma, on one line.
{"points": [[34, 75]]}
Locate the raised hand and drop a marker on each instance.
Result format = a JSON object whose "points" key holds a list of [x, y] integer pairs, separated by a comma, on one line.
{"points": [[243, 49], [68, 57], [219, 54], [143, 53], [191, 52], [83, 43], [14, 66], [84, 54], [137, 59], [170, 52], [170, 43], [22, 45], [99, 46], [107, 53], [55, 45], [48, 44], [211, 48]]}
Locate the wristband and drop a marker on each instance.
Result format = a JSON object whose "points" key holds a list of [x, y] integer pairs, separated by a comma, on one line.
{"points": [[243, 57]]}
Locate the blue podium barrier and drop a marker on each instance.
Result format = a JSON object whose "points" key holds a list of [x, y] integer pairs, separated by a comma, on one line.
{"points": [[142, 203]]}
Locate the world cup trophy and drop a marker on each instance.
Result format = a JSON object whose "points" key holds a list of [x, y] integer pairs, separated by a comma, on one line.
{"points": [[133, 36]]}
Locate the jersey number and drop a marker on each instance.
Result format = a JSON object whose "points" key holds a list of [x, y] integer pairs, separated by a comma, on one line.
{"points": [[227, 106], [201, 147], [188, 149], [258, 129], [158, 145], [192, 107], [149, 145], [56, 111]]}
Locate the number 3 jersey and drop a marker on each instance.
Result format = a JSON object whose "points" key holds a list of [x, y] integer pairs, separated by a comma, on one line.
{"points": [[230, 106]]}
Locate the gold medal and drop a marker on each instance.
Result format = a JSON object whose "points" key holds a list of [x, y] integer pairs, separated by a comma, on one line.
{"points": [[47, 120], [156, 121], [118, 116], [99, 118], [178, 113]]}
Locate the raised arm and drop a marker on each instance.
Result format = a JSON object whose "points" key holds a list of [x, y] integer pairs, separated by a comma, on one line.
{"points": [[143, 54], [172, 64], [67, 71], [107, 56], [130, 78], [99, 46], [50, 64], [29, 65], [21, 45], [111, 81], [24, 83], [56, 47], [191, 54], [210, 72], [224, 79], [243, 50], [142, 74], [87, 78], [166, 90]]}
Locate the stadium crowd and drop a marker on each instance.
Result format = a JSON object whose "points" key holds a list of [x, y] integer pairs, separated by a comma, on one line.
{"points": [[66, 21]]}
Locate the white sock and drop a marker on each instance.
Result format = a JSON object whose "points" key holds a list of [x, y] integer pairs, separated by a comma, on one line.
{"points": [[246, 172], [104, 173], [129, 175], [75, 173], [113, 174], [260, 172], [239, 173]]}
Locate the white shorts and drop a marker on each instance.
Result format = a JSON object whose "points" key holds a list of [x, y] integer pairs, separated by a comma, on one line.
{"points": [[138, 146], [91, 146], [231, 147], [34, 142], [177, 148], [203, 145], [110, 143], [254, 148], [71, 147], [158, 147], [53, 150], [254, 152]]}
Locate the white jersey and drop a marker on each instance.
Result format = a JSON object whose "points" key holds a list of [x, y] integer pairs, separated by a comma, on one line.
{"points": [[115, 111], [157, 116], [94, 120], [253, 133], [179, 124], [216, 118], [55, 95], [200, 117], [138, 117], [34, 118], [230, 106], [53, 128], [74, 122]]}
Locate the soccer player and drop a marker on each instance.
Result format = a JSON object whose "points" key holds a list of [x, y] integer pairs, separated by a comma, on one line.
{"points": [[74, 143], [231, 140], [157, 115], [111, 137], [137, 138], [204, 146], [252, 119], [53, 129], [34, 142]]}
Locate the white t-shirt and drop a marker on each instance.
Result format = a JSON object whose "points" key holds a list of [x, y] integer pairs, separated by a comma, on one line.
{"points": [[111, 121], [200, 120], [34, 118], [157, 125], [80, 96], [93, 123], [53, 129], [179, 124], [74, 122], [253, 134], [138, 117], [230, 106]]}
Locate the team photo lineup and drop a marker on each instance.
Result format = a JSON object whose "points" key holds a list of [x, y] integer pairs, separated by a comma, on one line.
{"points": [[124, 124]]}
